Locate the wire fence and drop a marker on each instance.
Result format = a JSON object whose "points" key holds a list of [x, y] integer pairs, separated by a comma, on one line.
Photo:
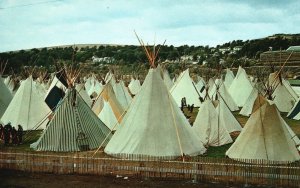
{"points": [[203, 169]]}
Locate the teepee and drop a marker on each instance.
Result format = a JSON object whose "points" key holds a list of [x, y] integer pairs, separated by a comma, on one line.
{"points": [[134, 86], [229, 77], [27, 108], [83, 93], [240, 88], [5, 94], [283, 96], [169, 83], [185, 87], [154, 125], [108, 108], [220, 92], [208, 125], [122, 94], [74, 126], [248, 106], [265, 137]]}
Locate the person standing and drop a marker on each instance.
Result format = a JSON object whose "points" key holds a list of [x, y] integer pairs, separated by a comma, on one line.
{"points": [[20, 134]]}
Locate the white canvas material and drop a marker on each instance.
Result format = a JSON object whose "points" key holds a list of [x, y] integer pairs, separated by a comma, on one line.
{"points": [[185, 87], [229, 77], [283, 96], [167, 79], [265, 137], [27, 108], [227, 118], [108, 108], [134, 86], [208, 126], [83, 93], [240, 88], [122, 94], [5, 97], [219, 91], [248, 106], [154, 125]]}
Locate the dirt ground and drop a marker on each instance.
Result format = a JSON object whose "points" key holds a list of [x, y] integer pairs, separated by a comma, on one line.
{"points": [[18, 179]]}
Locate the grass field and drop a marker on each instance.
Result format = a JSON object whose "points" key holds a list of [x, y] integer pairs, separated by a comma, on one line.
{"points": [[219, 152]]}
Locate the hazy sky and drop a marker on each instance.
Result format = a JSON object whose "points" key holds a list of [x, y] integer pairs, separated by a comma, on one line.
{"points": [[38, 23]]}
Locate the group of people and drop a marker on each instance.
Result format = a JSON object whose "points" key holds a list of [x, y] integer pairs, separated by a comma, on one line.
{"points": [[183, 104], [9, 134]]}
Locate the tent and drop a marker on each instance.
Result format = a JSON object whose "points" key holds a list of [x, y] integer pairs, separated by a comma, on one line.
{"points": [[248, 106], [83, 93], [226, 117], [134, 86], [240, 88], [208, 125], [185, 87], [283, 95], [108, 108], [5, 96], [74, 127], [265, 137], [154, 125], [167, 79], [122, 94], [27, 108], [229, 77], [219, 91]]}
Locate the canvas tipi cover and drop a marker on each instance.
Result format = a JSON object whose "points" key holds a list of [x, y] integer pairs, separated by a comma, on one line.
{"points": [[122, 94], [74, 127], [229, 77], [265, 137], [185, 87], [108, 108], [283, 96], [154, 125], [134, 86], [5, 97], [27, 108], [208, 125], [240, 88], [219, 91], [83, 93]]}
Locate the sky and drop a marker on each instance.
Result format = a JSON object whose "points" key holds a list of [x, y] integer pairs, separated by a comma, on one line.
{"points": [[26, 24]]}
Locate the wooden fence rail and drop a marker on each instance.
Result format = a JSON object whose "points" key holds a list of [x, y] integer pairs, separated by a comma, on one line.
{"points": [[204, 169]]}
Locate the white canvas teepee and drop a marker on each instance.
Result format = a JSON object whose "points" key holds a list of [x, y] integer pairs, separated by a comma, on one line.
{"points": [[134, 86], [220, 92], [167, 79], [185, 87], [83, 93], [227, 118], [122, 94], [5, 97], [74, 127], [154, 125], [229, 77], [265, 137], [240, 88], [208, 125], [27, 108], [108, 108], [283, 96], [248, 106]]}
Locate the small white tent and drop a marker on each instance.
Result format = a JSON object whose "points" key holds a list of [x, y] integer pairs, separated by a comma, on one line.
{"points": [[185, 87], [134, 86], [122, 94], [208, 125], [265, 137], [240, 88], [229, 77], [27, 108], [5, 97]]}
